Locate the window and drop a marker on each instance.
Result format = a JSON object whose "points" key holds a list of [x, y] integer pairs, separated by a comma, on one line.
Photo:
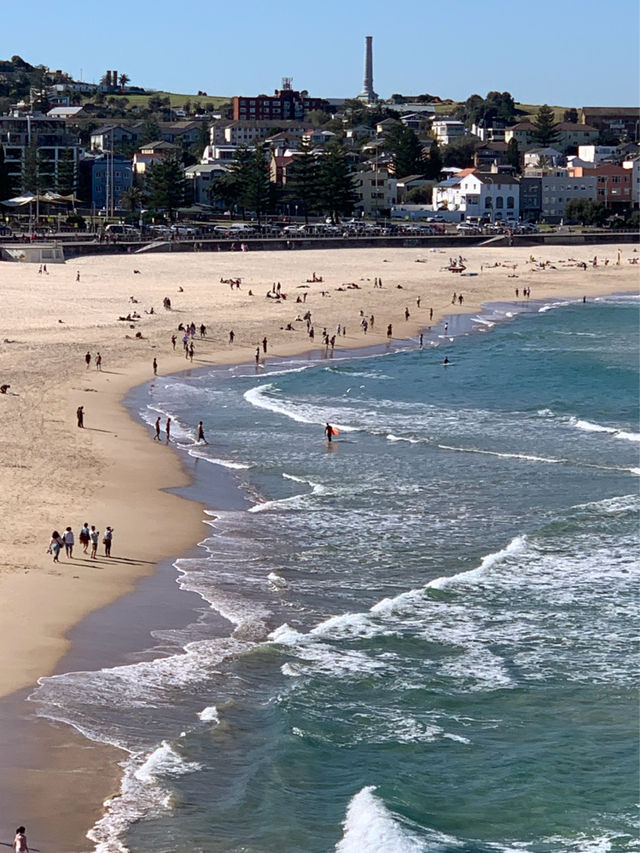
{"points": [[499, 202], [510, 202], [488, 203]]}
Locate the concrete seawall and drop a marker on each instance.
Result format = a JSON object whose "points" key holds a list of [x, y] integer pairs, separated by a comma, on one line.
{"points": [[455, 242]]}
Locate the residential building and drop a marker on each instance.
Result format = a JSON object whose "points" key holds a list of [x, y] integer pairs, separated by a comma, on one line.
{"points": [[597, 154], [447, 130], [634, 167], [375, 191], [569, 135], [623, 122], [558, 187], [220, 154], [285, 103], [106, 178], [490, 154], [183, 133], [20, 129], [522, 132], [199, 179], [539, 157], [319, 137], [613, 184], [530, 198], [410, 182], [489, 195], [247, 133], [491, 133], [66, 112], [110, 136], [151, 153], [279, 165]]}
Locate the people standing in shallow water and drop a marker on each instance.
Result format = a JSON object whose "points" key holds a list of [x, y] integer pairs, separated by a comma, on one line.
{"points": [[201, 433], [156, 437], [328, 431]]}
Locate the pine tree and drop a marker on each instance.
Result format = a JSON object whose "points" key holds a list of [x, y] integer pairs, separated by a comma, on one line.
{"points": [[302, 179], [336, 192], [252, 172], [434, 163], [66, 180], [166, 185], [546, 129], [406, 149], [513, 154]]}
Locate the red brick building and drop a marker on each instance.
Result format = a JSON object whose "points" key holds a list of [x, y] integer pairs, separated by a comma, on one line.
{"points": [[613, 183], [284, 104]]}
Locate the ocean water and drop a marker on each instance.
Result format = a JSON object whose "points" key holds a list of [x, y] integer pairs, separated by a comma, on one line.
{"points": [[432, 623]]}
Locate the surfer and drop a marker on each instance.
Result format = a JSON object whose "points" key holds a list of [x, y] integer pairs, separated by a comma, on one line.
{"points": [[446, 360], [329, 432]]}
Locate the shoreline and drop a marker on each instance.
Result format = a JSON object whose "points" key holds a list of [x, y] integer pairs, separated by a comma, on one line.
{"points": [[158, 503]]}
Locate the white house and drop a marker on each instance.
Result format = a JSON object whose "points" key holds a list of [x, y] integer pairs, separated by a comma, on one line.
{"points": [[597, 154], [491, 195], [446, 130]]}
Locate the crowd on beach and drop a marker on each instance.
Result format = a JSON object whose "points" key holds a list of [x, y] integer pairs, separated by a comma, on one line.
{"points": [[89, 536]]}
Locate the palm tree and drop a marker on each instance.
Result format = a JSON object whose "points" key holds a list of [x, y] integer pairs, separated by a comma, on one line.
{"points": [[132, 199], [124, 79]]}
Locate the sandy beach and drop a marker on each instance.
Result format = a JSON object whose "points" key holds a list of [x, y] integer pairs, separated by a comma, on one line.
{"points": [[111, 472]]}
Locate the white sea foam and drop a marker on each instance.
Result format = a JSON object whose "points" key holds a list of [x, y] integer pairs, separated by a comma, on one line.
{"points": [[209, 714], [370, 826], [164, 761], [299, 412], [589, 426], [292, 502], [527, 457], [213, 460], [277, 580], [516, 546]]}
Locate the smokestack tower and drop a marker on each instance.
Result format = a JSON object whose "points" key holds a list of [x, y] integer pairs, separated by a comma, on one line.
{"points": [[368, 95]]}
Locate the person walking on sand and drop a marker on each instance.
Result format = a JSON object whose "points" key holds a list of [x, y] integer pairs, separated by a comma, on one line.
{"points": [[155, 366], [192, 350], [94, 535], [78, 275], [156, 437], [257, 356], [264, 345], [167, 428], [98, 362], [231, 336], [201, 433], [69, 542], [80, 416], [87, 359], [20, 841], [173, 342], [85, 537], [328, 431], [108, 536], [55, 546]]}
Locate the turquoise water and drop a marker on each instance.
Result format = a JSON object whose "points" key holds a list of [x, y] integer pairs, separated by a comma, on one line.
{"points": [[431, 622]]}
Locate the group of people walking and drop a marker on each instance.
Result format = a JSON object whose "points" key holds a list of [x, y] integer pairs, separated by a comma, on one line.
{"points": [[88, 537]]}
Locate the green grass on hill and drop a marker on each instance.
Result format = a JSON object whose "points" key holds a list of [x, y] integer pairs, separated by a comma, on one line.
{"points": [[177, 100]]}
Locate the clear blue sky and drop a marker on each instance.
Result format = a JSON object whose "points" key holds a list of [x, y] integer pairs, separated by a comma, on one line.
{"points": [[556, 51]]}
